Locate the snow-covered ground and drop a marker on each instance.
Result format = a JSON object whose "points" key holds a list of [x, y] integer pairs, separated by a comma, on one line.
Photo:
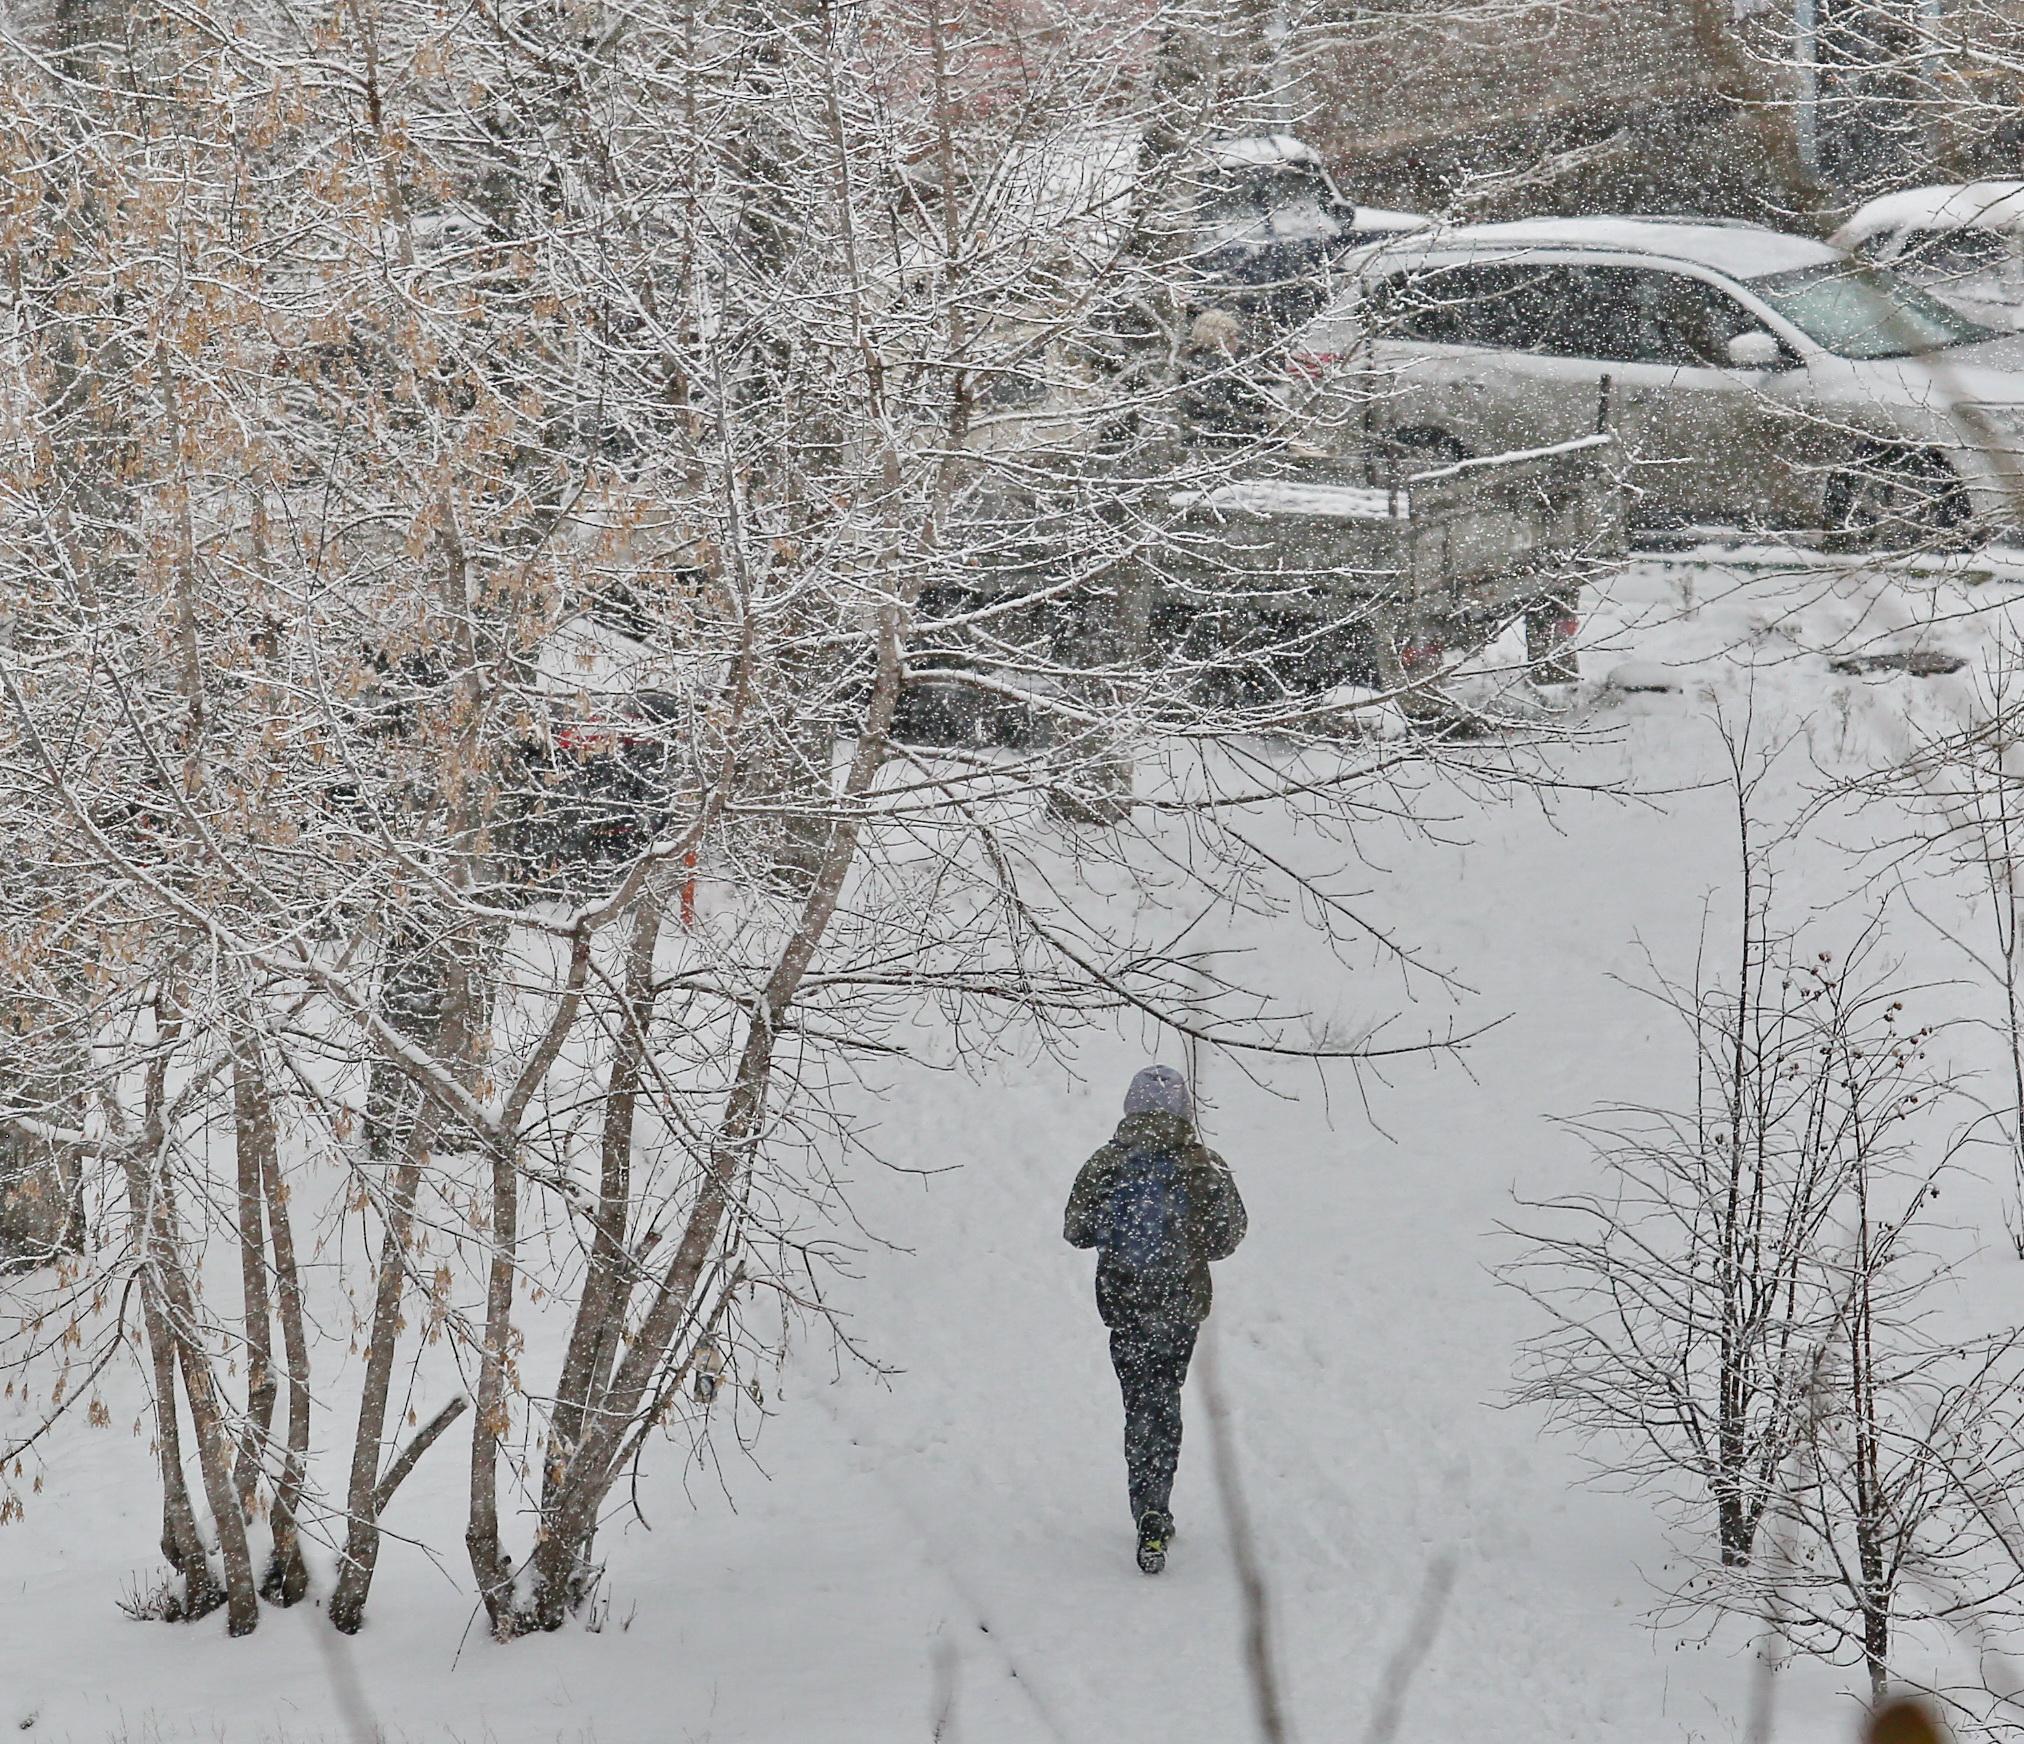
{"points": [[945, 1553]]}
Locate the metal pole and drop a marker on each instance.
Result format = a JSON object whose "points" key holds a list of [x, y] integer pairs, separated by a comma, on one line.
{"points": [[1936, 141], [1806, 58]]}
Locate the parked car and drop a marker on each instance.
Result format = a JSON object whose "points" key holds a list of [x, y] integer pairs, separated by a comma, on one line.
{"points": [[1748, 374], [1962, 241], [1254, 219], [607, 757], [1268, 219]]}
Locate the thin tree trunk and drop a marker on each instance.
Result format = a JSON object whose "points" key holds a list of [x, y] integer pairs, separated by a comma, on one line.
{"points": [[489, 1561], [362, 1536], [253, 1121], [182, 1544], [287, 1578], [596, 1462], [1870, 1523], [1876, 1647], [172, 1328], [1732, 1379], [148, 1186], [460, 1039], [214, 1463], [173, 1325], [481, 1531], [600, 1312], [594, 1467]]}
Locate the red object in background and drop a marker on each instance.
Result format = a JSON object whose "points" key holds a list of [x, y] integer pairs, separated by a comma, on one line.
{"points": [[689, 889], [1421, 653], [1567, 628]]}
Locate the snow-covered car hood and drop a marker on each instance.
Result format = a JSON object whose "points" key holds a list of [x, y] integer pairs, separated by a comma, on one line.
{"points": [[1990, 373], [1983, 297], [1302, 220]]}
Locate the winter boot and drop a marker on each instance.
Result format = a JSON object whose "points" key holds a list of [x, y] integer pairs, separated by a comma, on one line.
{"points": [[1155, 1528]]}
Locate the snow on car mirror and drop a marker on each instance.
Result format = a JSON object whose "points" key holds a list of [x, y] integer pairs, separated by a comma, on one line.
{"points": [[1755, 350]]}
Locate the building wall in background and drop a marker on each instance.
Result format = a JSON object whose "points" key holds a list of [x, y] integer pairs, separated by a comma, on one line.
{"points": [[1490, 107]]}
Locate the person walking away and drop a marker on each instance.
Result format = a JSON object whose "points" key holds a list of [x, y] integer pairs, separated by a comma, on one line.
{"points": [[1158, 1205]]}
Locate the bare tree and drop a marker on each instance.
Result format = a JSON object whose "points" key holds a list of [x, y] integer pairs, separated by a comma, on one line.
{"points": [[1742, 1317], [563, 453], [1688, 1296]]}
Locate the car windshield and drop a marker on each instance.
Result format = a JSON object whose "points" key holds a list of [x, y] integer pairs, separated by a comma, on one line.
{"points": [[1955, 253], [1281, 202], [1864, 312]]}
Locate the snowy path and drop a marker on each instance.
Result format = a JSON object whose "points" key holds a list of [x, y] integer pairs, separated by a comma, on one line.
{"points": [[953, 1547]]}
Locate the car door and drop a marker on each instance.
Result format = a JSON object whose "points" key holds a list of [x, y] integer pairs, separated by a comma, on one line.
{"points": [[1401, 355], [1458, 354], [1705, 439]]}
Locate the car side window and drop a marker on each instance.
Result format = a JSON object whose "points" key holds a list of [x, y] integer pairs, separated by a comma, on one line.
{"points": [[1646, 315], [1699, 320], [1612, 316], [1506, 305]]}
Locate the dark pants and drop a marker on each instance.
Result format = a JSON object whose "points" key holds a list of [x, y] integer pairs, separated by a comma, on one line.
{"points": [[1151, 1359]]}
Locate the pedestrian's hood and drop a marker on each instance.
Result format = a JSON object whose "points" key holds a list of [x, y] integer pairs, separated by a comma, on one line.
{"points": [[1164, 1132]]}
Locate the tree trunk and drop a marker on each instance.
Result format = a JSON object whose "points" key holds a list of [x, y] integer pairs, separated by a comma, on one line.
{"points": [[287, 1578], [362, 1536], [214, 1463], [172, 1323], [489, 1562], [594, 1466], [1732, 1524], [1876, 1646], [459, 1041], [481, 1532], [600, 1313], [1872, 1523], [1736, 1521], [254, 1147], [174, 1326], [182, 1545]]}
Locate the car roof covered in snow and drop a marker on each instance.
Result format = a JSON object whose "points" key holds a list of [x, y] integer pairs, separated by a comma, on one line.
{"points": [[1264, 149], [1990, 205], [1388, 219], [1273, 499], [598, 667], [1745, 251]]}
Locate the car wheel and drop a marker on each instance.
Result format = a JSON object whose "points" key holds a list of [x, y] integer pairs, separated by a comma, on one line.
{"points": [[1896, 498]]}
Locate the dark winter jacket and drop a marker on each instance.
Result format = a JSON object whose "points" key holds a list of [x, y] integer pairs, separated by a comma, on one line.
{"points": [[1220, 403], [1214, 1225]]}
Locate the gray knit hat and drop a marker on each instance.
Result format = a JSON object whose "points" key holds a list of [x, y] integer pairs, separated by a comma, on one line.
{"points": [[1159, 1090]]}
